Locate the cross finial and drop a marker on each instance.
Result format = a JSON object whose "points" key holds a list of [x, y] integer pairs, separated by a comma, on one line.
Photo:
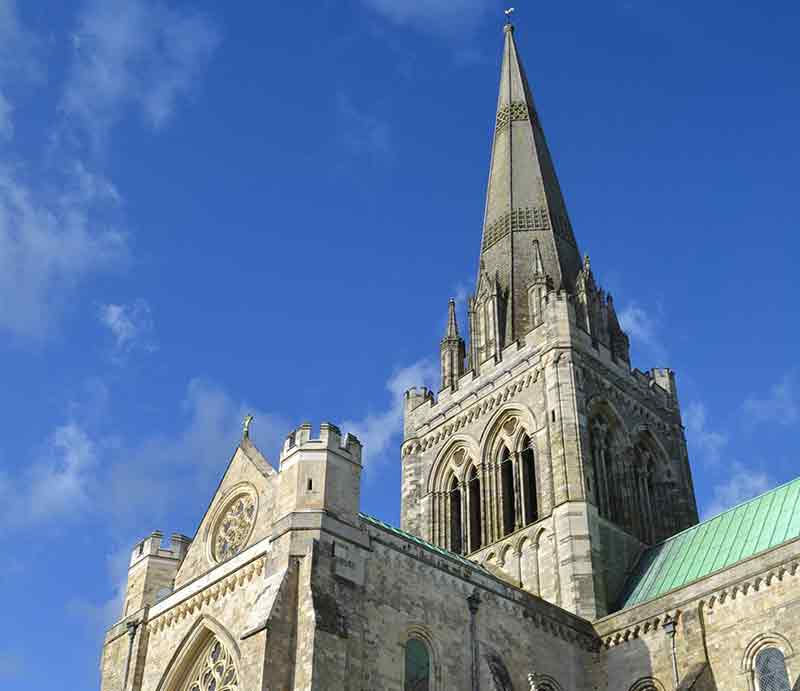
{"points": [[509, 12], [248, 420]]}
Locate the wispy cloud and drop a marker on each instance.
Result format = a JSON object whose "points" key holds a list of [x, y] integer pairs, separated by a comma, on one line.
{"points": [[131, 327], [781, 406], [134, 53], [434, 16], [362, 132], [709, 443], [68, 482], [377, 430], [643, 328], [740, 485], [51, 243], [57, 485]]}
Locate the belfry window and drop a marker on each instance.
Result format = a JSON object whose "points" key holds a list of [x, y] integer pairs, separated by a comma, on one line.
{"points": [[418, 666], [455, 518], [531, 503], [474, 484], [771, 672], [507, 478]]}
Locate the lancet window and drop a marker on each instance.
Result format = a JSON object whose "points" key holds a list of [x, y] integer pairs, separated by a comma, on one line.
{"points": [[603, 468], [475, 507], [417, 666], [529, 486], [507, 480], [454, 498]]}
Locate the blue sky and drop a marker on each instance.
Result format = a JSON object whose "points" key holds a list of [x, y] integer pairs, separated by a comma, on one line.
{"points": [[207, 210]]}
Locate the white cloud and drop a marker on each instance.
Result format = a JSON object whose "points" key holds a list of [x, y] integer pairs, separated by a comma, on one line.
{"points": [[135, 478], [377, 430], [742, 484], [57, 485], [708, 442], [50, 243], [781, 406], [134, 53], [641, 326], [438, 16], [130, 325]]}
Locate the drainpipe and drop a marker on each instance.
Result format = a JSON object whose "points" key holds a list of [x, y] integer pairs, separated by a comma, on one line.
{"points": [[670, 629], [131, 626], [474, 601]]}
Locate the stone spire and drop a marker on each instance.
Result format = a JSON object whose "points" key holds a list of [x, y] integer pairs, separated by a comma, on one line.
{"points": [[523, 203], [452, 351]]}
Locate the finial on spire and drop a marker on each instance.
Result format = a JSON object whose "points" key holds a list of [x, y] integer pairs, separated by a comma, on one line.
{"points": [[509, 26]]}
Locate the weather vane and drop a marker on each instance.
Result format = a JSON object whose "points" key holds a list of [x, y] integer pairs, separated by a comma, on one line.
{"points": [[509, 12]]}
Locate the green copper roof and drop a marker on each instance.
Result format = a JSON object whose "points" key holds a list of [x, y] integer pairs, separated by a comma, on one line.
{"points": [[419, 541], [745, 530]]}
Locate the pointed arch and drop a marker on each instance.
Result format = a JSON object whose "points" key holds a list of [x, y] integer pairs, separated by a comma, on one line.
{"points": [[447, 461], [525, 417], [198, 639]]}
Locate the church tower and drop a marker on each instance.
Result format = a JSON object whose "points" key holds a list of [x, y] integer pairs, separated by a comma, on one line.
{"points": [[544, 457]]}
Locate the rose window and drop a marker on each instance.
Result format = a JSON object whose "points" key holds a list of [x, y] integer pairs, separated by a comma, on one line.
{"points": [[234, 527]]}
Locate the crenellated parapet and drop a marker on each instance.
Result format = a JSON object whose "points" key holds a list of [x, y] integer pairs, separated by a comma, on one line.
{"points": [[329, 439]]}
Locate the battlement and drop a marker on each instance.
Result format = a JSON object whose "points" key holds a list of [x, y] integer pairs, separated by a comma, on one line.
{"points": [[416, 396], [151, 546], [330, 438]]}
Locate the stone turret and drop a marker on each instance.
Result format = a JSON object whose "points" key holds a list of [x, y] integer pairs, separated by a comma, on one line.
{"points": [[152, 570], [452, 351], [320, 475]]}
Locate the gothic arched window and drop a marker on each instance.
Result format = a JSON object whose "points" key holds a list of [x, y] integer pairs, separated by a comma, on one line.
{"points": [[456, 544], [602, 465], [474, 485], [418, 666], [529, 489], [771, 674], [507, 480], [213, 671]]}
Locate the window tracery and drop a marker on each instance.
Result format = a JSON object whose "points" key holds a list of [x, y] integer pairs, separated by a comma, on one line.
{"points": [[234, 526], [214, 671]]}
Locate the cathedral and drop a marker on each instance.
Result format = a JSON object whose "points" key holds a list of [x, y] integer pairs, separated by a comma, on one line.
{"points": [[549, 534]]}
